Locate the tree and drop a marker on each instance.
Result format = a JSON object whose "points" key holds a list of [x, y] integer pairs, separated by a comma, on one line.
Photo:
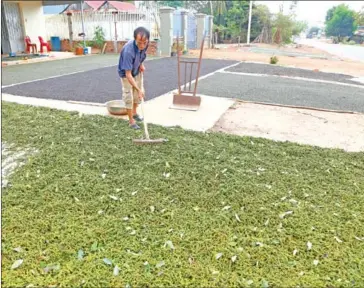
{"points": [[261, 18], [220, 9], [237, 17], [174, 4], [330, 14], [359, 17], [292, 7], [342, 22], [262, 14], [299, 27], [283, 26]]}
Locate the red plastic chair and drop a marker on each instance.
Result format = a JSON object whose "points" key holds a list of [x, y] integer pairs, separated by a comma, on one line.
{"points": [[31, 45], [44, 44]]}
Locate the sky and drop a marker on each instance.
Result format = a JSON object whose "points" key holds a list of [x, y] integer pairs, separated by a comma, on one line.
{"points": [[313, 12]]}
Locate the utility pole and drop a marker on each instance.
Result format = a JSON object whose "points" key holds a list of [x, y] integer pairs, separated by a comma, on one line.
{"points": [[83, 25], [116, 32], [250, 21]]}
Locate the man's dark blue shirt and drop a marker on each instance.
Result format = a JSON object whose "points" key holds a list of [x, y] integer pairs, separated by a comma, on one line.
{"points": [[131, 58]]}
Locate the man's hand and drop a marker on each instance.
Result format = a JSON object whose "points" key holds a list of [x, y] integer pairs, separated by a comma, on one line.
{"points": [[141, 94], [142, 68]]}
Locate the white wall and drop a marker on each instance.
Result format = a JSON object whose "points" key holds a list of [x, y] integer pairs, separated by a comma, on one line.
{"points": [[57, 25], [34, 21]]}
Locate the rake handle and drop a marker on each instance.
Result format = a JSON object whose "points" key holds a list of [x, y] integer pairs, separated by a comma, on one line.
{"points": [[142, 106]]}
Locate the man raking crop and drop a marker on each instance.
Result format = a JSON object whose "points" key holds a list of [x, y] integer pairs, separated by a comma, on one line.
{"points": [[130, 68]]}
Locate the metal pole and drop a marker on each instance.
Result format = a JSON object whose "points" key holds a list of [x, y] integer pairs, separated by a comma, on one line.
{"points": [[116, 33], [83, 25], [199, 64], [178, 66], [250, 21], [116, 39], [70, 31]]}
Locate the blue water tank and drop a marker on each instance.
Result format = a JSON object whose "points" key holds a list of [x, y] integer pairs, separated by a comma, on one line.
{"points": [[55, 43]]}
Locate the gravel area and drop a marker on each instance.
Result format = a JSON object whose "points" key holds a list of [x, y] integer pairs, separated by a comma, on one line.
{"points": [[286, 53], [284, 91], [292, 72], [103, 84]]}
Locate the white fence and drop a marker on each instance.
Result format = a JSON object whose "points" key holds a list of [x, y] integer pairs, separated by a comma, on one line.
{"points": [[126, 22]]}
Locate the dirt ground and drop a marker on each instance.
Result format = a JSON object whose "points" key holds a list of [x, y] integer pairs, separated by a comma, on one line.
{"points": [[304, 126], [232, 52], [293, 48]]}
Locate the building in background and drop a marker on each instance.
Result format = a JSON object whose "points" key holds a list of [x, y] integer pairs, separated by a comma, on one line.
{"points": [[24, 18], [20, 19]]}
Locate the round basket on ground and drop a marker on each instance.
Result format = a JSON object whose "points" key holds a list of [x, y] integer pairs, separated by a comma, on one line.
{"points": [[116, 107]]}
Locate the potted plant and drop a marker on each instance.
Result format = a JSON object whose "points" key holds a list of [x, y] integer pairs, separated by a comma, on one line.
{"points": [[185, 52], [79, 49]]}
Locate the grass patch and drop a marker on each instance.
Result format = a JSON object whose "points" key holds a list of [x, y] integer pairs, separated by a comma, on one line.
{"points": [[164, 214]]}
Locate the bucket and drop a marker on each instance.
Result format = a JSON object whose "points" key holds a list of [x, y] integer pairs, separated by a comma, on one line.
{"points": [[56, 43], [116, 107]]}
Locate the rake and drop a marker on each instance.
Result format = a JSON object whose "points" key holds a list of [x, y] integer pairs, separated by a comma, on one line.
{"points": [[147, 139]]}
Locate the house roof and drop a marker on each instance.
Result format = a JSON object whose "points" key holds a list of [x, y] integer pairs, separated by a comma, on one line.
{"points": [[95, 4], [59, 2], [122, 6]]}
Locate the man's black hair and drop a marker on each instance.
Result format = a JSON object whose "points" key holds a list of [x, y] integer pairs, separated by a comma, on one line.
{"points": [[142, 31]]}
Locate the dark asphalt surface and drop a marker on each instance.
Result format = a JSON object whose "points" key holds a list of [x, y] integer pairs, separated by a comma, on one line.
{"points": [[32, 71], [103, 84], [292, 72], [284, 91]]}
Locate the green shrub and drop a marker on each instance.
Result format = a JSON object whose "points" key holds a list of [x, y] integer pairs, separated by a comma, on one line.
{"points": [[99, 37], [273, 60], [89, 43]]}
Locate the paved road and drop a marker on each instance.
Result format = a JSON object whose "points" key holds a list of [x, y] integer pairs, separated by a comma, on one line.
{"points": [[103, 84], [292, 72], [284, 91], [345, 51]]}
